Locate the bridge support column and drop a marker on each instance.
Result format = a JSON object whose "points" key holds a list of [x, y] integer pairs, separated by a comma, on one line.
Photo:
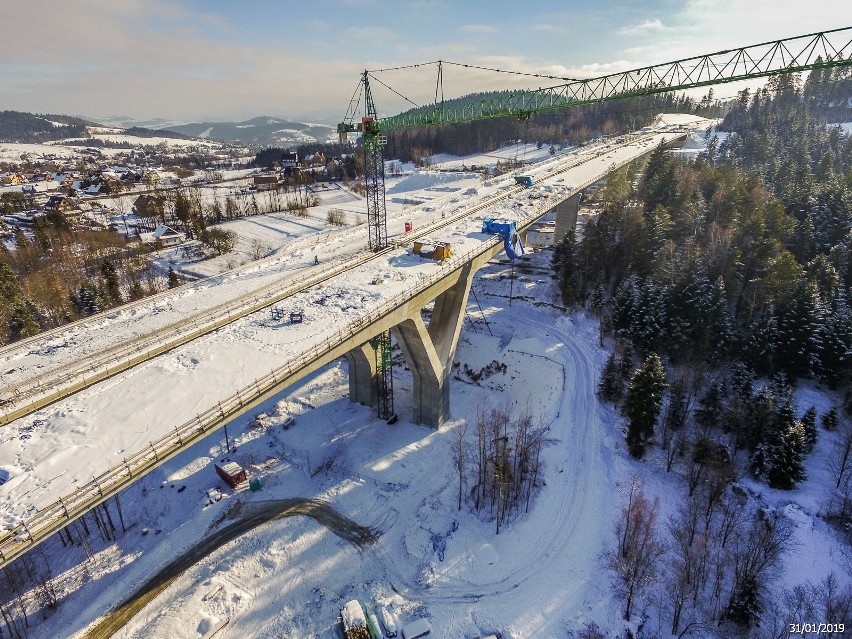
{"points": [[430, 351], [362, 375], [566, 217]]}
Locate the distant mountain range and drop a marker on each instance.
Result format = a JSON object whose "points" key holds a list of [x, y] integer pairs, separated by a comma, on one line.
{"points": [[18, 126], [263, 130]]}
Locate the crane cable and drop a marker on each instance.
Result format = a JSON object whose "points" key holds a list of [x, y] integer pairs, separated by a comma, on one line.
{"points": [[439, 86], [475, 66], [531, 75], [393, 90], [353, 102]]}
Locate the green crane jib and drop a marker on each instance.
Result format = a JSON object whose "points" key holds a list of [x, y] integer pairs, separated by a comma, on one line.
{"points": [[821, 50]]}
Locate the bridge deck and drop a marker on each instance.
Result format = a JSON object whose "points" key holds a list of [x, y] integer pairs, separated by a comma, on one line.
{"points": [[120, 428]]}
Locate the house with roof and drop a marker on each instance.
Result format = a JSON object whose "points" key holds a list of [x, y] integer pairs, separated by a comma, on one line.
{"points": [[61, 203], [289, 160], [14, 179], [165, 235], [266, 182]]}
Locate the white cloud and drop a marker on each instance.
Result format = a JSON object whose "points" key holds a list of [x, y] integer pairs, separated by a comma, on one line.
{"points": [[479, 28], [643, 28]]}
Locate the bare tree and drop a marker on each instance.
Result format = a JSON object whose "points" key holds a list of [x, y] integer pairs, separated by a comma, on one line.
{"points": [[756, 552], [481, 456], [460, 457], [840, 461], [839, 507], [634, 561], [336, 217]]}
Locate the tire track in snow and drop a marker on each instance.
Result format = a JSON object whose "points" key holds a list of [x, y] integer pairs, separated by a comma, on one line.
{"points": [[583, 500]]}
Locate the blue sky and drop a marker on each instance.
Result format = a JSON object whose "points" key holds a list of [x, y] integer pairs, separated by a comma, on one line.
{"points": [[212, 59]]}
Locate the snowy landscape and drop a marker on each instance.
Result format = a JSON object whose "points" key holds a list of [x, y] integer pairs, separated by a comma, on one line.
{"points": [[416, 554]]}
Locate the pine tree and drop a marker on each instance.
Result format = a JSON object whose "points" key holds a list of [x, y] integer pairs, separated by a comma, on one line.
{"points": [[626, 366], [785, 464], [745, 607], [835, 344], [112, 289], [22, 322], [88, 298], [10, 287], [809, 429], [610, 385], [710, 405], [800, 319], [597, 301], [643, 403], [677, 410], [829, 419], [759, 420], [565, 268]]}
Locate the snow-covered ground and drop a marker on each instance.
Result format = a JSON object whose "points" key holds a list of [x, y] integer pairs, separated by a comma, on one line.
{"points": [[290, 577], [540, 577]]}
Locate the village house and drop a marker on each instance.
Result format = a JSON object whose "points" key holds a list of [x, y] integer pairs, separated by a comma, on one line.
{"points": [[165, 235], [61, 203], [14, 179], [289, 160], [265, 182]]}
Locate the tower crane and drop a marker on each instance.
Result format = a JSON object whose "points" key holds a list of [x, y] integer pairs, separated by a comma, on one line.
{"points": [[822, 50]]}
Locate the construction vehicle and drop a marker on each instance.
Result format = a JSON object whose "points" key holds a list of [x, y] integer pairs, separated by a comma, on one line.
{"points": [[511, 239], [354, 621], [437, 251]]}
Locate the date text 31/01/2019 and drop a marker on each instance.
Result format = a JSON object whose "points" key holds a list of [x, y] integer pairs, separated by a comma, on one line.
{"points": [[817, 628]]}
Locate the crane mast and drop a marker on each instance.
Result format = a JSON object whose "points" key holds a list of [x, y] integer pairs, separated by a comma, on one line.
{"points": [[374, 172]]}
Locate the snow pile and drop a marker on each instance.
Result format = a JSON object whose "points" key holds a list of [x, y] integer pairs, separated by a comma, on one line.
{"points": [[433, 180]]}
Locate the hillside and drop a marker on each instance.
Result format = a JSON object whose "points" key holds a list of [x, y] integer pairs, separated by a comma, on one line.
{"points": [[17, 126], [263, 130]]}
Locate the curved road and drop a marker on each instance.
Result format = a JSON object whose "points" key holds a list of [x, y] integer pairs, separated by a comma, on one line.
{"points": [[248, 516]]}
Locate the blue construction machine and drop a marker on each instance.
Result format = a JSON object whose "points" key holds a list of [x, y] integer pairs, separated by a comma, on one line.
{"points": [[511, 239]]}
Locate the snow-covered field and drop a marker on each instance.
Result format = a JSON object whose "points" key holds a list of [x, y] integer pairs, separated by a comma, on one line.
{"points": [[540, 577]]}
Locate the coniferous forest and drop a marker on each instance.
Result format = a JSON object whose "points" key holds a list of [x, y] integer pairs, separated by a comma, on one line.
{"points": [[572, 126], [741, 255], [722, 283]]}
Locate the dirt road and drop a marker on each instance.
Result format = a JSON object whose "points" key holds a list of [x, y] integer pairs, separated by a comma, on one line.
{"points": [[246, 516]]}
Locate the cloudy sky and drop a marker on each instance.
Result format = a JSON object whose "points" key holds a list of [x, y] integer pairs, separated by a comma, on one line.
{"points": [[189, 60]]}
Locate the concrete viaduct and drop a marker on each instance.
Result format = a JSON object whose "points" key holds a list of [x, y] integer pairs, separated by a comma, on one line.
{"points": [[428, 349]]}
